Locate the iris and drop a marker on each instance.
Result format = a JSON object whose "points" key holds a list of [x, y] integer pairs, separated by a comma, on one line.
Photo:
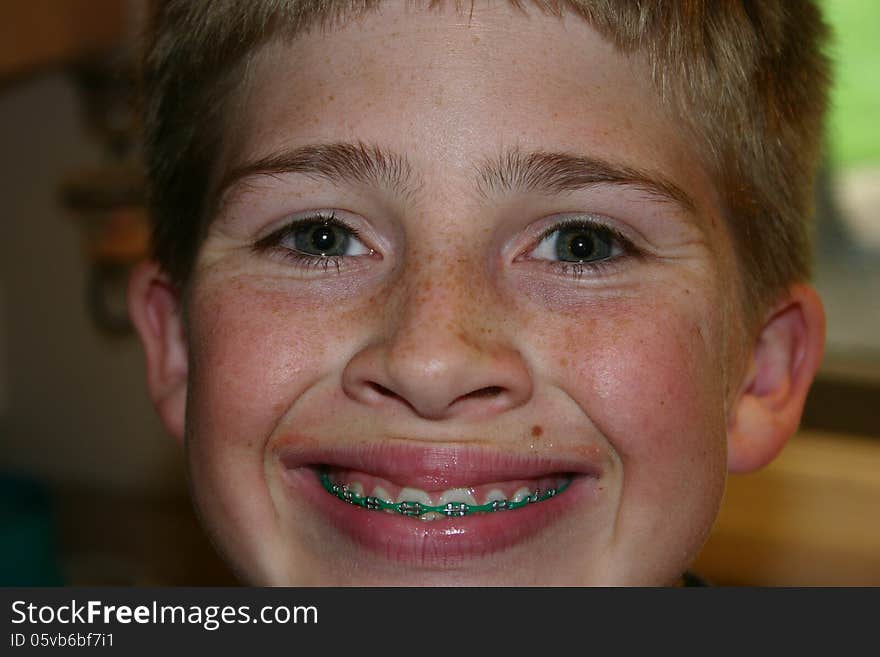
{"points": [[323, 239]]}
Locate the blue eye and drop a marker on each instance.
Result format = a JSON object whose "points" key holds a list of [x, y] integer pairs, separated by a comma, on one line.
{"points": [[314, 241], [325, 239], [580, 242]]}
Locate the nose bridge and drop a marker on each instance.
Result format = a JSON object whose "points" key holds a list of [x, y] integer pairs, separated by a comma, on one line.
{"points": [[442, 311]]}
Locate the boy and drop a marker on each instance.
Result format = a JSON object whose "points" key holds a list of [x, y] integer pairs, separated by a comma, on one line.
{"points": [[492, 294]]}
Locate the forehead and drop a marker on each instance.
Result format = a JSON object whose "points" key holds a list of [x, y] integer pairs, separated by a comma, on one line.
{"points": [[455, 89]]}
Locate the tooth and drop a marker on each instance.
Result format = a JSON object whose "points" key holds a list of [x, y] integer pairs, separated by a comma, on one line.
{"points": [[431, 515], [495, 495], [521, 494], [414, 495], [382, 494], [458, 495], [357, 488]]}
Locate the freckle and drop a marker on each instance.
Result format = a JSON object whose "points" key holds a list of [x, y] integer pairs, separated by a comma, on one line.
{"points": [[537, 430], [331, 98], [589, 452]]}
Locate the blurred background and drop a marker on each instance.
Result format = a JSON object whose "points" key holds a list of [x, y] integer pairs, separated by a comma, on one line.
{"points": [[92, 492]]}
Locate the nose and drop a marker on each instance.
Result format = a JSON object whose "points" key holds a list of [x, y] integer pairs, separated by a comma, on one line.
{"points": [[440, 355]]}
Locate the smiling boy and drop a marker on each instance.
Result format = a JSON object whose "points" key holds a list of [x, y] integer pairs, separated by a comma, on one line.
{"points": [[489, 294]]}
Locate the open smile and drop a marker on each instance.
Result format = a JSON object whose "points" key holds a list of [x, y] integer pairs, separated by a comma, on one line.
{"points": [[450, 503], [476, 502]]}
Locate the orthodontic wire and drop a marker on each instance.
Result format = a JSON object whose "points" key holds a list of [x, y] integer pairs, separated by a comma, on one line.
{"points": [[450, 509]]}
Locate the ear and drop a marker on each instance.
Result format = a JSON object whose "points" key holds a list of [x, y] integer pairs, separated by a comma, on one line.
{"points": [[783, 363], [154, 307]]}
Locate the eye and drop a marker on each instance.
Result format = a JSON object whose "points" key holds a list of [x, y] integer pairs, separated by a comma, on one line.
{"points": [[581, 242], [323, 238], [317, 236]]}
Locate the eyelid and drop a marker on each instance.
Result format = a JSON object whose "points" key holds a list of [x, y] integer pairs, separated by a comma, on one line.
{"points": [[626, 250], [589, 220], [322, 216], [561, 221]]}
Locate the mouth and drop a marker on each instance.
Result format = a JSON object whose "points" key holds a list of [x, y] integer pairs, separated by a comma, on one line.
{"points": [[436, 506], [418, 503]]}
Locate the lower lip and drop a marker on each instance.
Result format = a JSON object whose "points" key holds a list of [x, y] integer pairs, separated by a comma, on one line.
{"points": [[441, 543]]}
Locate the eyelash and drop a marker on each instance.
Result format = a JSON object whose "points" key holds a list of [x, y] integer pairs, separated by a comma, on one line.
{"points": [[306, 261], [575, 270]]}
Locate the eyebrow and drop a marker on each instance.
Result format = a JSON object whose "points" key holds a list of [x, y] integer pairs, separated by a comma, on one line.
{"points": [[545, 172], [335, 162], [514, 170]]}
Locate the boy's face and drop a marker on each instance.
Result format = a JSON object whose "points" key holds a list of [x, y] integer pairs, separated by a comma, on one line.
{"points": [[526, 282]]}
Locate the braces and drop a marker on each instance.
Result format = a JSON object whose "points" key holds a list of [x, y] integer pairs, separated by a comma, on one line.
{"points": [[450, 509]]}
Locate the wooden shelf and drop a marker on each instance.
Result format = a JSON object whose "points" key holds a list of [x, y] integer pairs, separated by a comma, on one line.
{"points": [[810, 518]]}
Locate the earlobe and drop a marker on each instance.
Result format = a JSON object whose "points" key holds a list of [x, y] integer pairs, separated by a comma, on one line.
{"points": [[154, 308], [783, 364]]}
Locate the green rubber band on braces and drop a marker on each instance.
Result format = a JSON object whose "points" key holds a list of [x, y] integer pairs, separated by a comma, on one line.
{"points": [[415, 509]]}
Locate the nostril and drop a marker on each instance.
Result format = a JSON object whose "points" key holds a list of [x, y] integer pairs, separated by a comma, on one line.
{"points": [[489, 391], [483, 393], [382, 390], [388, 393]]}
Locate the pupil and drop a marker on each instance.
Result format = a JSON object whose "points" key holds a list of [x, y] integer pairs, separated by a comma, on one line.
{"points": [[581, 246], [323, 239]]}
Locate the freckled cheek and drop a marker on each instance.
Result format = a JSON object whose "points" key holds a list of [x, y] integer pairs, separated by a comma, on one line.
{"points": [[252, 356], [648, 381], [649, 384]]}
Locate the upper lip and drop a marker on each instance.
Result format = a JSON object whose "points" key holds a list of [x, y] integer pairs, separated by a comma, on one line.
{"points": [[434, 467]]}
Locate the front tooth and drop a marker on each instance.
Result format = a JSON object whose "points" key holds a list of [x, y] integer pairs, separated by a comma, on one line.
{"points": [[431, 515], [458, 495], [495, 495], [382, 494], [521, 494], [414, 495], [357, 488]]}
